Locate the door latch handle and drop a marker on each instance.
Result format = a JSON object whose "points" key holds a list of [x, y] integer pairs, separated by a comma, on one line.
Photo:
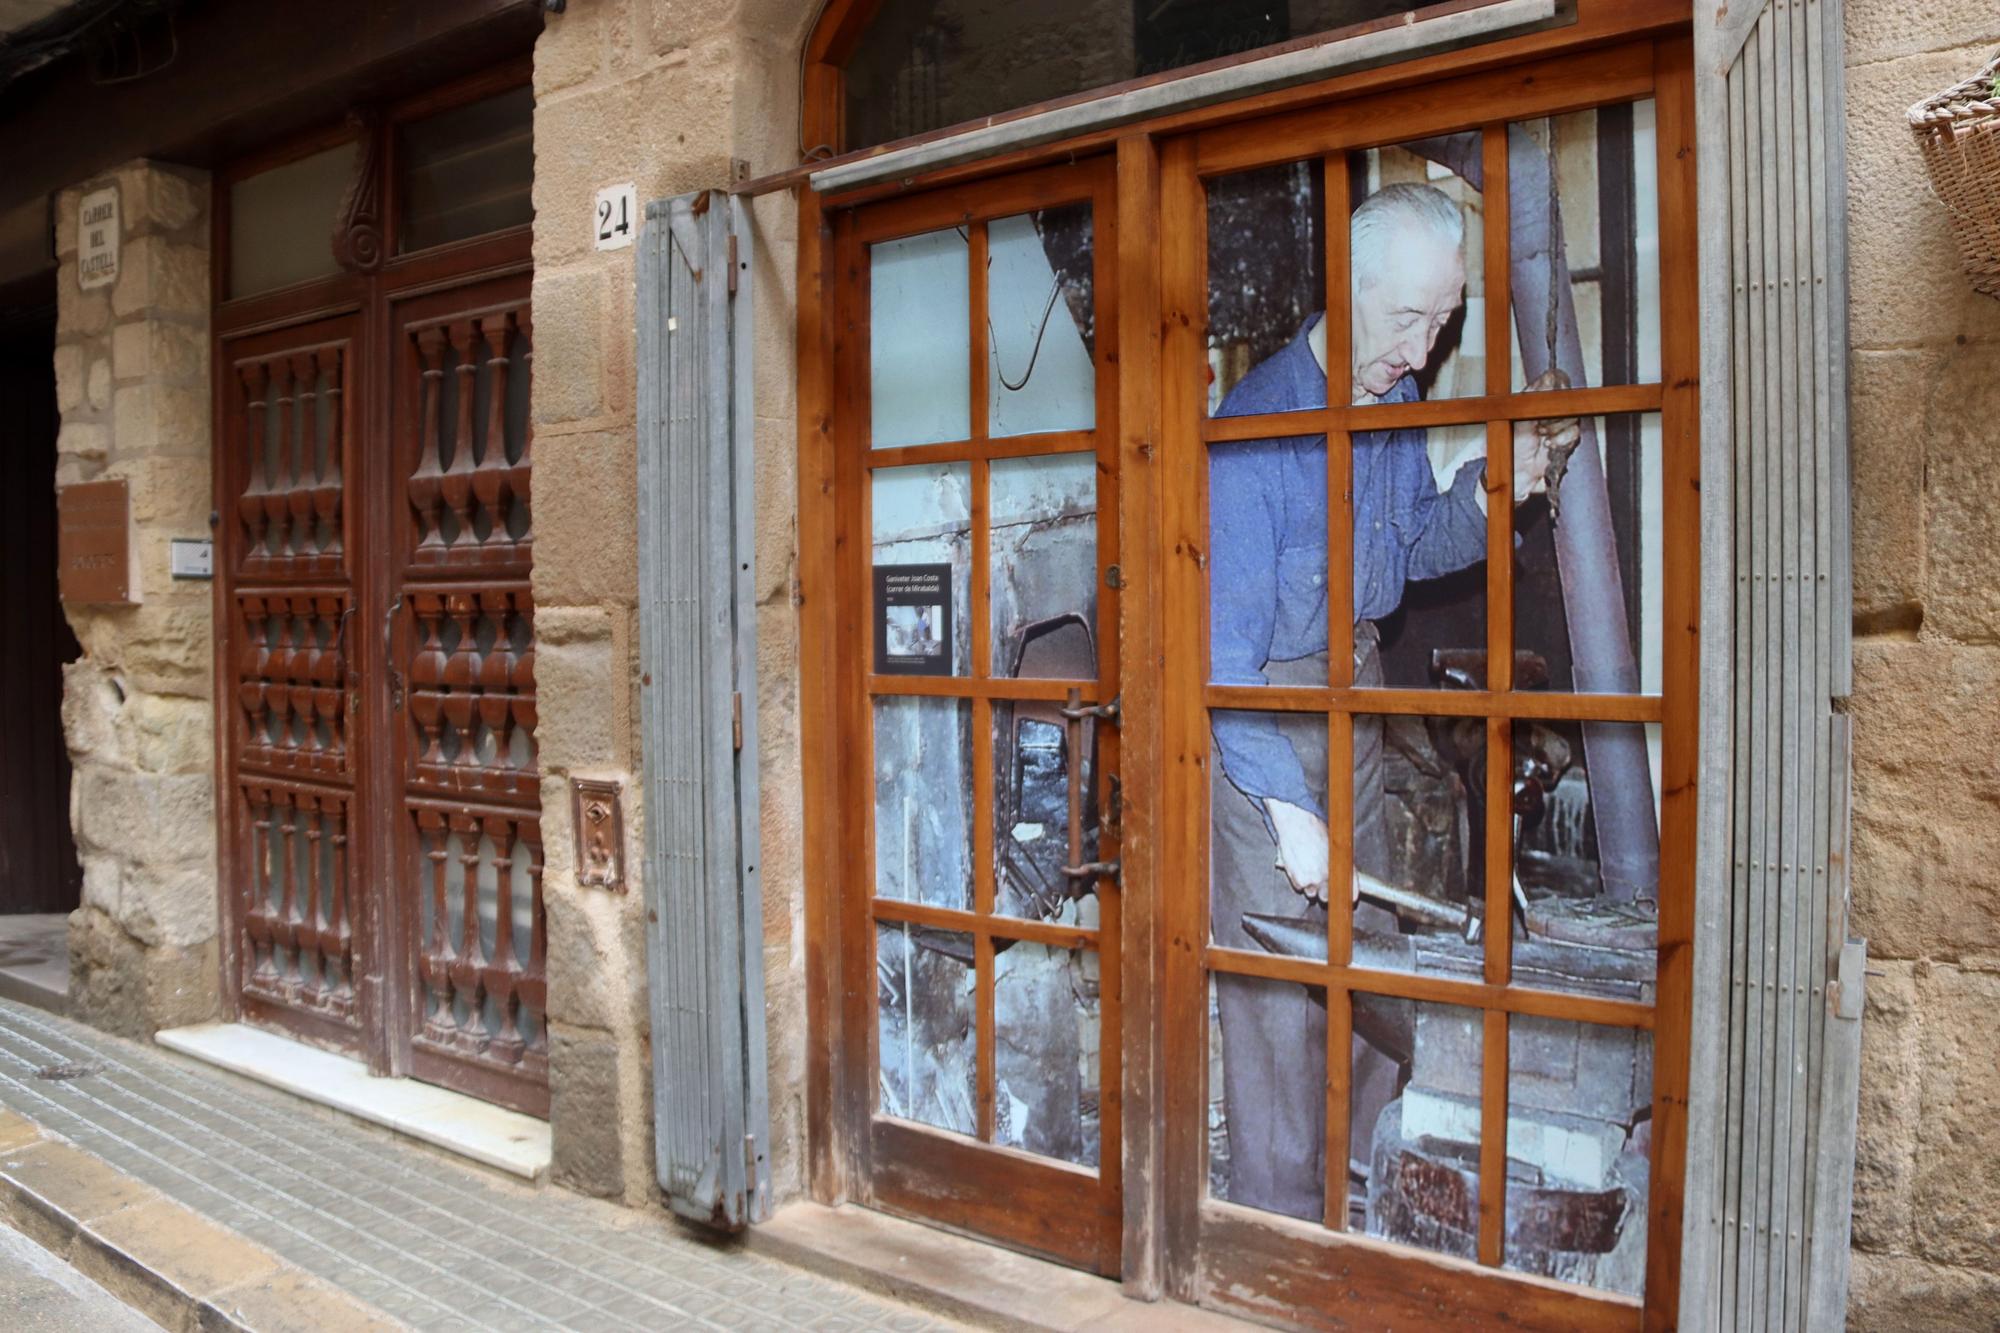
{"points": [[1079, 872], [1093, 870], [1076, 710], [389, 654]]}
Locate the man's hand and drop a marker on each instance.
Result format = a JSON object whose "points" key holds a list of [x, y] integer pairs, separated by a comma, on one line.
{"points": [[1537, 444], [1301, 848]]}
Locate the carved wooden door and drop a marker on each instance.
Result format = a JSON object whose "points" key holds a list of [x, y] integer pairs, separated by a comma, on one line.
{"points": [[468, 840], [382, 844], [289, 464]]}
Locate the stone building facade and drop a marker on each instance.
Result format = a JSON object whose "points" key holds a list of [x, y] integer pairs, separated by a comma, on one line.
{"points": [[676, 95], [1926, 400]]}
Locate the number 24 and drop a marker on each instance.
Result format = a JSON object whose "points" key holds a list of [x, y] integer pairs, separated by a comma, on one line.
{"points": [[606, 228]]}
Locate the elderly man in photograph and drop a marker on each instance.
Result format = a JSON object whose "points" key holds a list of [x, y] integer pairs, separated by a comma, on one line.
{"points": [[1268, 575]]}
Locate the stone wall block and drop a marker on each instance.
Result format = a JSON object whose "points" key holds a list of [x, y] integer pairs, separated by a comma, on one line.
{"points": [[165, 734], [69, 378], [1962, 526], [1888, 395], [569, 371], [170, 907], [159, 818], [570, 51], [135, 419], [80, 313], [118, 984], [584, 140], [102, 881], [584, 1111], [1901, 1293], [162, 647], [84, 440], [1908, 286], [1884, 29], [1926, 782], [597, 955], [1885, 1157], [160, 276], [132, 351], [586, 525], [1958, 1136], [92, 700], [157, 198]]}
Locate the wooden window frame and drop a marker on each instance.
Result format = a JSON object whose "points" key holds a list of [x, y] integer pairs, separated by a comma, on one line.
{"points": [[1251, 1261]]}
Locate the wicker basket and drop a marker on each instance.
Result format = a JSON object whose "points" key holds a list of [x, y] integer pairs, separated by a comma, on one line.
{"points": [[1959, 131]]}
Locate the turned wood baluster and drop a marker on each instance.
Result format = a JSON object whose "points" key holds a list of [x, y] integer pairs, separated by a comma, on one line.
{"points": [[306, 668], [257, 911], [496, 670], [503, 968], [251, 656], [311, 940], [434, 959], [519, 475], [279, 691], [326, 495], [426, 675], [457, 480], [523, 701], [250, 504], [305, 462], [278, 453], [333, 671], [533, 986], [489, 482], [284, 924], [339, 927], [426, 481], [465, 969], [460, 669]]}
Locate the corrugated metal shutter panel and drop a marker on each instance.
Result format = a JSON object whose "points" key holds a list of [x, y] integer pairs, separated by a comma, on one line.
{"points": [[1778, 982], [698, 656]]}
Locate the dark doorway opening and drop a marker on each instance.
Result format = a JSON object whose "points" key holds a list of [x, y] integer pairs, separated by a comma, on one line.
{"points": [[39, 874]]}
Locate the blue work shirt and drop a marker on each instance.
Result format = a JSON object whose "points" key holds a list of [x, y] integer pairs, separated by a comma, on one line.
{"points": [[1267, 568]]}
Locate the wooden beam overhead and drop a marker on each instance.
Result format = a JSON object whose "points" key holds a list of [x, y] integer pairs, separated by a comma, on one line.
{"points": [[244, 74]]}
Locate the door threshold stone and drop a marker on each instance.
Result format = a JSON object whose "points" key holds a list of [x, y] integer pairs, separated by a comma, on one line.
{"points": [[967, 1280], [491, 1135]]}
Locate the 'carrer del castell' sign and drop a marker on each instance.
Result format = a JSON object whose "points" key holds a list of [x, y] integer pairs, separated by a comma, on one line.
{"points": [[97, 239]]}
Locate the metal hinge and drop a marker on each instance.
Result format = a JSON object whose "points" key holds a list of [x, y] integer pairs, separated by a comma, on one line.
{"points": [[732, 266], [736, 717]]}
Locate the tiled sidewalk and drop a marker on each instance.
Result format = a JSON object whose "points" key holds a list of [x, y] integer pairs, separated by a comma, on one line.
{"points": [[425, 1240]]}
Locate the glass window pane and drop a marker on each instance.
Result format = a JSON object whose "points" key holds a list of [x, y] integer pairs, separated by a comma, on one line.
{"points": [[1031, 764], [1045, 1068], [1418, 257], [926, 1034], [1416, 1122], [1267, 839], [1041, 323], [1266, 290], [919, 340], [1579, 1140], [1267, 576], [925, 64], [1419, 857], [1420, 558], [1043, 577], [1582, 926], [921, 525], [281, 221], [1619, 459], [1267, 1094], [923, 800], [1583, 210], [467, 171]]}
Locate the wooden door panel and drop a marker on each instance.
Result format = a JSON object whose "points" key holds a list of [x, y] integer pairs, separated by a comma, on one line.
{"points": [[289, 598], [468, 914]]}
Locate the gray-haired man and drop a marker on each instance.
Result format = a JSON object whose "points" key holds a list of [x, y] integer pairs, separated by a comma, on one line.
{"points": [[1268, 625]]}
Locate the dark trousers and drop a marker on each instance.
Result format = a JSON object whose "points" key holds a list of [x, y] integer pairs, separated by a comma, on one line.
{"points": [[1273, 1032]]}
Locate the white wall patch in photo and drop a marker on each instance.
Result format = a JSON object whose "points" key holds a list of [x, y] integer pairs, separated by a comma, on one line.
{"points": [[616, 217]]}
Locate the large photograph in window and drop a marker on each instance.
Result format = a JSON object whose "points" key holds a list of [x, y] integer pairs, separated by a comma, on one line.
{"points": [[1586, 551]]}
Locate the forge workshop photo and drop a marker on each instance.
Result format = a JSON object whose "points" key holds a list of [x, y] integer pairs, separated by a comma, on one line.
{"points": [[906, 664]]}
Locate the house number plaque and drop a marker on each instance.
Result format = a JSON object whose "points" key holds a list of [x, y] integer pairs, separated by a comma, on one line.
{"points": [[600, 833]]}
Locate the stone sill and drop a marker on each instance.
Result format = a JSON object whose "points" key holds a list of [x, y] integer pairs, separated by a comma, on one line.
{"points": [[492, 1135]]}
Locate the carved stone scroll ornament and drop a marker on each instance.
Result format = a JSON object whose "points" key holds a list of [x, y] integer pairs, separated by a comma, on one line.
{"points": [[357, 232]]}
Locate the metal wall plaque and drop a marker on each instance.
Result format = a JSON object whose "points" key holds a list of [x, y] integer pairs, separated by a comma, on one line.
{"points": [[94, 542], [600, 833]]}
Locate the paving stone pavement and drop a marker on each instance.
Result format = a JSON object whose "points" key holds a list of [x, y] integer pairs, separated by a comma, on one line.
{"points": [[428, 1241]]}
